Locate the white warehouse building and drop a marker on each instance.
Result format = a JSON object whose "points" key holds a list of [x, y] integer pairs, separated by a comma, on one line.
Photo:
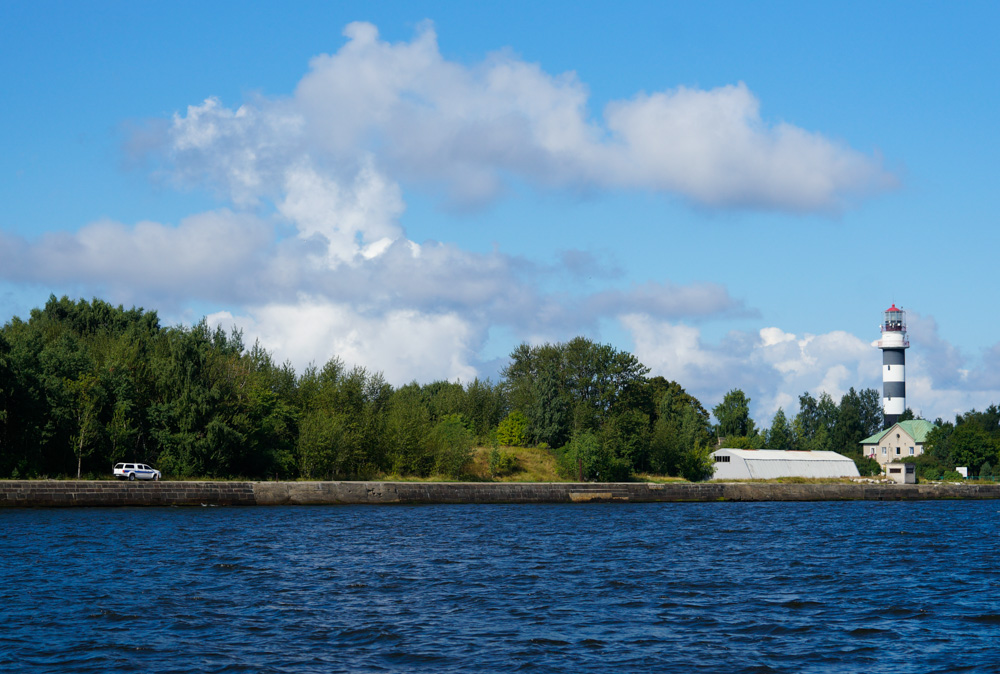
{"points": [[767, 464]]}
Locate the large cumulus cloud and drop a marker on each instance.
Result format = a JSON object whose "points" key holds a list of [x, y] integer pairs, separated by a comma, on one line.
{"points": [[465, 129]]}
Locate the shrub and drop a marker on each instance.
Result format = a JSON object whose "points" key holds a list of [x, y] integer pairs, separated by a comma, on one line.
{"points": [[930, 473], [501, 463], [952, 476], [867, 467], [598, 462], [696, 464], [513, 430]]}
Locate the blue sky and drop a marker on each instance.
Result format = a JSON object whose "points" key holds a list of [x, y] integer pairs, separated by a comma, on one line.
{"points": [[732, 191]]}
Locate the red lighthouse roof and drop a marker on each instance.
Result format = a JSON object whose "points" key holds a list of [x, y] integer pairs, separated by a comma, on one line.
{"points": [[893, 308]]}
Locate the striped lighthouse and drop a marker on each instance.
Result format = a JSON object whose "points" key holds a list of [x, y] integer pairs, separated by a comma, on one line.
{"points": [[893, 345]]}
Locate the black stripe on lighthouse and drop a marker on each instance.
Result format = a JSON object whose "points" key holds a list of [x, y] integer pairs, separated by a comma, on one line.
{"points": [[894, 389]]}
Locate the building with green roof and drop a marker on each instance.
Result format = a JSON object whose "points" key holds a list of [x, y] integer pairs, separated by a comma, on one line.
{"points": [[902, 439]]}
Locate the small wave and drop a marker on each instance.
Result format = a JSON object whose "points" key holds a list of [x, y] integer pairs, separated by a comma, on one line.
{"points": [[985, 619], [114, 616], [867, 632], [800, 604]]}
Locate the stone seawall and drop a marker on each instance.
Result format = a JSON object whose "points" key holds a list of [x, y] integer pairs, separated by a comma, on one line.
{"points": [[62, 493], [66, 493]]}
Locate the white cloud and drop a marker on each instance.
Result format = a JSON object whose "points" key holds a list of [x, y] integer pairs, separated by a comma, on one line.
{"points": [[465, 129], [403, 345], [666, 300], [216, 254], [358, 219], [772, 367], [714, 147]]}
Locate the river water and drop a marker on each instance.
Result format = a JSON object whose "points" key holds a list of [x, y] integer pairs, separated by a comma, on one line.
{"points": [[705, 587]]}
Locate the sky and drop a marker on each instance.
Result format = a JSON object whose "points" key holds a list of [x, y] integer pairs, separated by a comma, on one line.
{"points": [[733, 192]]}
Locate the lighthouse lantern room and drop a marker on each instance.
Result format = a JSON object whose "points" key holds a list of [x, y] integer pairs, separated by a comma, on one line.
{"points": [[893, 344]]}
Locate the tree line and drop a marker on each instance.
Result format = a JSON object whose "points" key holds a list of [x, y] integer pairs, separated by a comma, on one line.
{"points": [[972, 440], [84, 384]]}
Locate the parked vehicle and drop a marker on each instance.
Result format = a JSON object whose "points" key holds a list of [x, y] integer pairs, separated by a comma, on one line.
{"points": [[135, 471]]}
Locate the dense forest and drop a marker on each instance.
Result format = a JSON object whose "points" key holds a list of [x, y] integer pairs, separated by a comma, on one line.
{"points": [[84, 384]]}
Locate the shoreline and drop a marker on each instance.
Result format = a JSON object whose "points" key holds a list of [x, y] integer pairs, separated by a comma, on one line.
{"points": [[101, 493]]}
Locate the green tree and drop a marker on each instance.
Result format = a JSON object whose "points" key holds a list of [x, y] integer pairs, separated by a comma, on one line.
{"points": [[538, 389], [572, 387], [733, 415], [828, 415], [512, 431], [849, 429], [681, 428], [780, 435], [7, 393], [938, 443], [816, 422], [757, 441], [697, 465], [322, 438], [87, 401], [485, 406], [806, 423], [408, 427], [625, 437], [988, 420], [598, 462], [986, 470], [870, 407], [451, 442], [971, 446]]}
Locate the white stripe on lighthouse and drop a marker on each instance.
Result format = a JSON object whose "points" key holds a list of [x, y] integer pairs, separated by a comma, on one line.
{"points": [[893, 405], [893, 373]]}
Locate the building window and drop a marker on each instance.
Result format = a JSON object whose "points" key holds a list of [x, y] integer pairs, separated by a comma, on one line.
{"points": [[897, 451], [911, 451], [722, 459], [883, 451]]}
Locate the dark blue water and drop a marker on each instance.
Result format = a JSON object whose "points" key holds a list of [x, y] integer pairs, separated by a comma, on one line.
{"points": [[726, 587]]}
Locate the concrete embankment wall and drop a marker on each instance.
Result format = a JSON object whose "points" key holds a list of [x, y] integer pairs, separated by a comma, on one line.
{"points": [[66, 493]]}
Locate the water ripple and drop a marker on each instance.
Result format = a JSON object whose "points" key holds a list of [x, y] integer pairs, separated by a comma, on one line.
{"points": [[731, 587]]}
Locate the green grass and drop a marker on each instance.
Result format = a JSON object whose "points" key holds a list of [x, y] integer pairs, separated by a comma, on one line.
{"points": [[532, 465]]}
